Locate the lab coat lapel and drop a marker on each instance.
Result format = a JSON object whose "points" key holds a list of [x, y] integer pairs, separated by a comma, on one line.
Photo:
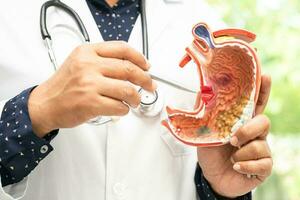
{"points": [[135, 38], [159, 14], [81, 7]]}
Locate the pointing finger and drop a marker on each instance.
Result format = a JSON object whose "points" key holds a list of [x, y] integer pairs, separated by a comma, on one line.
{"points": [[121, 50], [126, 70], [119, 90]]}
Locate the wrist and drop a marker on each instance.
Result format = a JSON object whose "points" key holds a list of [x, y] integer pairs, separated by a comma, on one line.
{"points": [[38, 108], [219, 192]]}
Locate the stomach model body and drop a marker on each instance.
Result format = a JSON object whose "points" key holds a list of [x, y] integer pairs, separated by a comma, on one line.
{"points": [[230, 78]]}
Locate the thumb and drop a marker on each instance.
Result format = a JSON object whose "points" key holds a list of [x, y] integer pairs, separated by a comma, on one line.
{"points": [[264, 93]]}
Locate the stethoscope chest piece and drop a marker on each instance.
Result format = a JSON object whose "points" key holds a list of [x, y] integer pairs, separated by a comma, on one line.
{"points": [[151, 104]]}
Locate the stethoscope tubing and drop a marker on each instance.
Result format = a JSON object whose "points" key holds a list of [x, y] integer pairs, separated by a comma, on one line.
{"points": [[47, 37], [144, 29], [57, 3]]}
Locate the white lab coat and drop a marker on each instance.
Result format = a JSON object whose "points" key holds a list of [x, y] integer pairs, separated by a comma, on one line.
{"points": [[133, 158]]}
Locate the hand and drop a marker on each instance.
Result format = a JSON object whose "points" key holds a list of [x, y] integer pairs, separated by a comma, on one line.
{"points": [[226, 167], [95, 80]]}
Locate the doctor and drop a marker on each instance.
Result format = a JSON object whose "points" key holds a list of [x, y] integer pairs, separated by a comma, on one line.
{"points": [[134, 157]]}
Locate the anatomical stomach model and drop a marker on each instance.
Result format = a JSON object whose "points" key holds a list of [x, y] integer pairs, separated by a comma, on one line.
{"points": [[229, 73]]}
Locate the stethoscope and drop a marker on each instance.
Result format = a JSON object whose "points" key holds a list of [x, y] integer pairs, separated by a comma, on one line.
{"points": [[151, 103]]}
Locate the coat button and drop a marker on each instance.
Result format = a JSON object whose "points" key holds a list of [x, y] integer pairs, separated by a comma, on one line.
{"points": [[44, 149], [119, 189]]}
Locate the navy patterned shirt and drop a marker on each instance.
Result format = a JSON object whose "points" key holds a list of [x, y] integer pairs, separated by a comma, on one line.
{"points": [[117, 22], [205, 192], [21, 150]]}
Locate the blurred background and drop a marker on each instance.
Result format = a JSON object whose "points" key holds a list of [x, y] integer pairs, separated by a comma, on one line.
{"points": [[277, 25]]}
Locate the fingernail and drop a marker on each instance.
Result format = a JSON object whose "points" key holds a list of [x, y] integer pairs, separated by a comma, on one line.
{"points": [[135, 106], [148, 65], [154, 85], [237, 167], [234, 141]]}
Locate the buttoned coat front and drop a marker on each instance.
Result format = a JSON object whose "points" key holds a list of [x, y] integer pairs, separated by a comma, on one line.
{"points": [[132, 158]]}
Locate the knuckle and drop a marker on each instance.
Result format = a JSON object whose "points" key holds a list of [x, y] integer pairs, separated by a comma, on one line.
{"points": [[80, 58], [129, 69], [242, 132], [144, 61], [266, 121], [269, 166], [267, 148], [123, 47], [81, 103], [261, 169], [146, 80], [256, 148], [89, 102], [129, 91], [123, 109], [79, 63], [91, 97], [266, 168], [86, 81], [80, 49]]}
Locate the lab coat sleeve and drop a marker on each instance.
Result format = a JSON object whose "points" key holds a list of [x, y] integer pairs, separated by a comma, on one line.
{"points": [[15, 191]]}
